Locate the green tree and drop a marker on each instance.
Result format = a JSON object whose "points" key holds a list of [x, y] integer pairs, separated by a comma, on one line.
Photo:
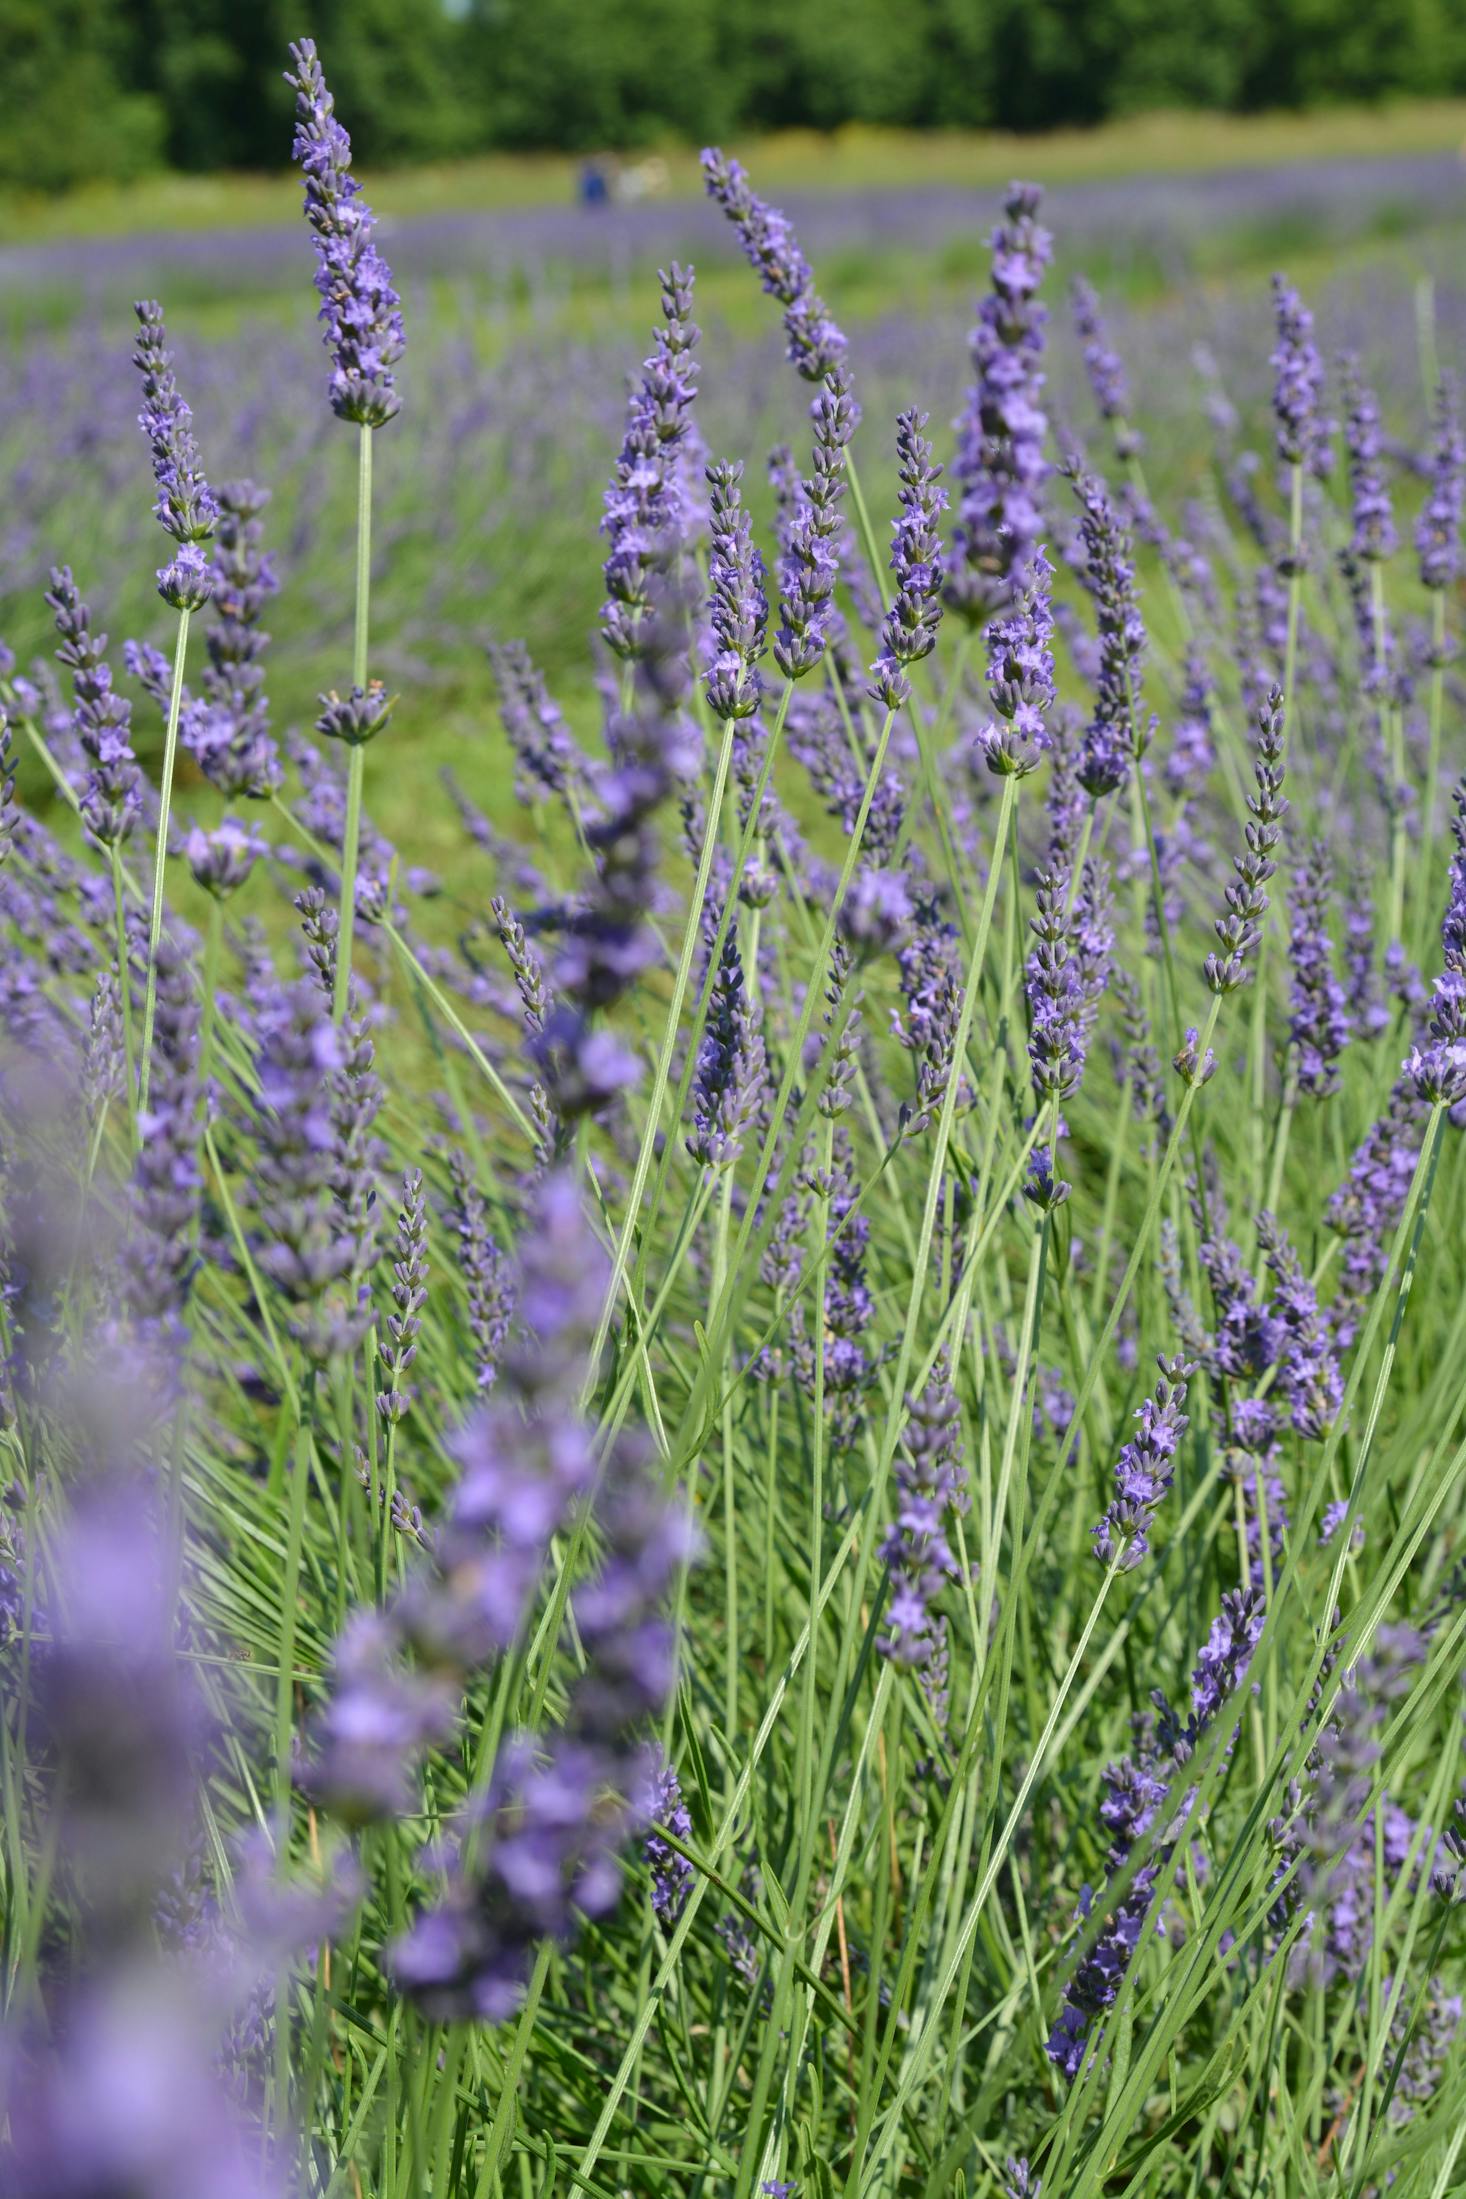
{"points": [[69, 117]]}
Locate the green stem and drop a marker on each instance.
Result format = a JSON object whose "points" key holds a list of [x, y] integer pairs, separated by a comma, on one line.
{"points": [[160, 855], [356, 767]]}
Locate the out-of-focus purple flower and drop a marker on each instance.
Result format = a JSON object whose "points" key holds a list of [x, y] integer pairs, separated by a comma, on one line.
{"points": [[1193, 750], [738, 606], [1115, 737], [875, 915], [1437, 1070], [226, 726], [929, 1486], [1021, 2181], [1021, 676], [772, 250], [360, 311], [999, 467], [1374, 537], [1320, 1022], [7, 786], [160, 1248], [672, 1874], [645, 521], [1239, 930], [309, 1250], [222, 859], [364, 1747], [104, 1063], [1145, 1470], [112, 797], [808, 565], [729, 1077], [545, 754], [1303, 433], [1105, 369], [409, 1296], [186, 507], [909, 631], [1438, 529]]}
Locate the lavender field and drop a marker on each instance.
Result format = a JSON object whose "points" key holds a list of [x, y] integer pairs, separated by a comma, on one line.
{"points": [[732, 1066]]}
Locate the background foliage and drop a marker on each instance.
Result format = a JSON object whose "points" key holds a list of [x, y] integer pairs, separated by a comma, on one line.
{"points": [[101, 90]]}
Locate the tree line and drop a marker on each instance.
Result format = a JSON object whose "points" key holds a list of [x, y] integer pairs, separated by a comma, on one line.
{"points": [[108, 89]]}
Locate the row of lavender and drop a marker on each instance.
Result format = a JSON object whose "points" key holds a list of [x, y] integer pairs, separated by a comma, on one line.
{"points": [[575, 1602]]}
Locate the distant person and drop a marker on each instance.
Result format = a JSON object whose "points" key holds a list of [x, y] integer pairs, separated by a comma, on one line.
{"points": [[593, 189]]}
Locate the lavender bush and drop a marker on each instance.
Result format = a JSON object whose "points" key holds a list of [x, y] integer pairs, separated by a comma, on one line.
{"points": [[599, 1590]]}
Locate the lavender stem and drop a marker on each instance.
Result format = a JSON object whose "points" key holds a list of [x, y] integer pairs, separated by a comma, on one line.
{"points": [[160, 857], [356, 763]]}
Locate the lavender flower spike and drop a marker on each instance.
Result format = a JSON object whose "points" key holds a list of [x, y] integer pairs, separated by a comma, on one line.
{"points": [[645, 518], [910, 629], [771, 247], [1021, 677], [1321, 1022], [360, 310], [1114, 738], [1438, 530], [999, 468], [1374, 536], [1303, 433], [1246, 900], [111, 799], [1145, 1470], [730, 1066], [1105, 368], [186, 508], [739, 608]]}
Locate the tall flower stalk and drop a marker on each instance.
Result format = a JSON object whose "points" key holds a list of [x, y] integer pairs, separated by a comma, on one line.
{"points": [[362, 318]]}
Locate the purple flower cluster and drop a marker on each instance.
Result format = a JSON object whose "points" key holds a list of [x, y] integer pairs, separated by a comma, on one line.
{"points": [[409, 1296], [227, 726], [931, 1485], [645, 518], [1374, 537], [738, 608], [1247, 902], [729, 1079], [1145, 1470], [809, 565], [112, 796], [909, 631], [1105, 369], [1114, 737], [1021, 677], [186, 507], [816, 345], [999, 468], [1303, 432], [1320, 1023], [671, 1872], [545, 754], [1438, 529], [1143, 1822], [1309, 1383], [360, 311], [1437, 1070]]}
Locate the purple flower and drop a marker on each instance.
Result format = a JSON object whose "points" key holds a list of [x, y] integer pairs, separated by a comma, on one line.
{"points": [[645, 518], [1309, 1382], [167, 1182], [1239, 930], [227, 726], [729, 1079], [481, 1265], [360, 311], [1438, 530], [1374, 536], [1114, 738], [672, 1874], [1104, 368], [999, 468], [1145, 1470], [112, 798], [409, 1296], [1021, 676], [738, 608], [808, 565], [221, 860], [361, 1759], [186, 507], [1320, 1023], [1303, 433], [545, 753], [772, 250], [930, 1485], [909, 631]]}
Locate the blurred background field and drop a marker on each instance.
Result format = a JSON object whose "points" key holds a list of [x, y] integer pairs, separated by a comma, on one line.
{"points": [[527, 310]]}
